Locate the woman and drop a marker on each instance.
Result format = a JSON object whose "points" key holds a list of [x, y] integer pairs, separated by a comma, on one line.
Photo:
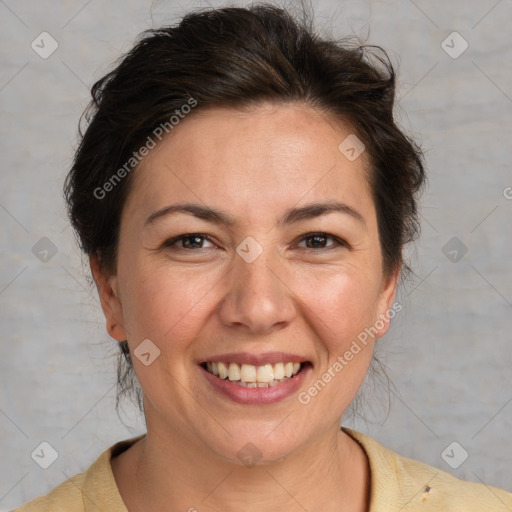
{"points": [[244, 196]]}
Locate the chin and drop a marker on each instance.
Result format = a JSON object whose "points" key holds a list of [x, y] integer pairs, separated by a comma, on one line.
{"points": [[254, 448]]}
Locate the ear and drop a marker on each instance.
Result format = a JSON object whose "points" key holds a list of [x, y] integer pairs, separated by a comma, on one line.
{"points": [[386, 307], [110, 304]]}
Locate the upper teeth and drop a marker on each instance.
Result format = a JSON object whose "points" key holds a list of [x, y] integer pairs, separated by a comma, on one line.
{"points": [[246, 373]]}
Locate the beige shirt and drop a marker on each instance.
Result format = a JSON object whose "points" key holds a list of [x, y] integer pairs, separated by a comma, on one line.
{"points": [[397, 484]]}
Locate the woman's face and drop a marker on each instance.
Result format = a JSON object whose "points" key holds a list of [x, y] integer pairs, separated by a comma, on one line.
{"points": [[255, 291]]}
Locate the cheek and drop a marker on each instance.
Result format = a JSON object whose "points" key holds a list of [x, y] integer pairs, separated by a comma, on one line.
{"points": [[344, 301], [164, 304], [339, 308]]}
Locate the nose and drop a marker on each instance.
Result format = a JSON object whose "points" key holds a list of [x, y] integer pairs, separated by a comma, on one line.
{"points": [[259, 298]]}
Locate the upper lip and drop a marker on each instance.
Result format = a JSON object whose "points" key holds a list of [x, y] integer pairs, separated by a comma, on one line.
{"points": [[255, 359]]}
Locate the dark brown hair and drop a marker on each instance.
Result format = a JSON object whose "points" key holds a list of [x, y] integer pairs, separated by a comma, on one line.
{"points": [[236, 58]]}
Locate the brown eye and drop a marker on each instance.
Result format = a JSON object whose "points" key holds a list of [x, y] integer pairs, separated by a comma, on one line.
{"points": [[321, 241], [188, 241]]}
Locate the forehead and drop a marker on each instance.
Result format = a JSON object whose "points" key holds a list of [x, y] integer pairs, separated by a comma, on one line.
{"points": [[253, 161]]}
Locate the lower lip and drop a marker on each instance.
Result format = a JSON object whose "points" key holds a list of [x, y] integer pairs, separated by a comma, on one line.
{"points": [[270, 395]]}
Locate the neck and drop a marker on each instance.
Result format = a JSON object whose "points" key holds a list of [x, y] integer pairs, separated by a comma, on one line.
{"points": [[166, 473]]}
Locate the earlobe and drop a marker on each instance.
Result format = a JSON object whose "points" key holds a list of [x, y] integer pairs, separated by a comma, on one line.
{"points": [[110, 303]]}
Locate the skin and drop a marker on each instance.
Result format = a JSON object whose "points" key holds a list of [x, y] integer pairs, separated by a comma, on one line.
{"points": [[195, 303]]}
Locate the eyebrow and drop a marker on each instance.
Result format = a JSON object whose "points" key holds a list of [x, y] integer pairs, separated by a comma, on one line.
{"points": [[291, 216]]}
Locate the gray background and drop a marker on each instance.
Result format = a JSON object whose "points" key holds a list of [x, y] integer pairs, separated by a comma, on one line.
{"points": [[448, 353]]}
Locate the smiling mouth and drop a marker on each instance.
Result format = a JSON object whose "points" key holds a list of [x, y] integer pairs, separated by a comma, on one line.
{"points": [[250, 376]]}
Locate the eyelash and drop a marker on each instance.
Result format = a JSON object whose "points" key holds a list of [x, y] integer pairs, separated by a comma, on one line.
{"points": [[171, 243]]}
